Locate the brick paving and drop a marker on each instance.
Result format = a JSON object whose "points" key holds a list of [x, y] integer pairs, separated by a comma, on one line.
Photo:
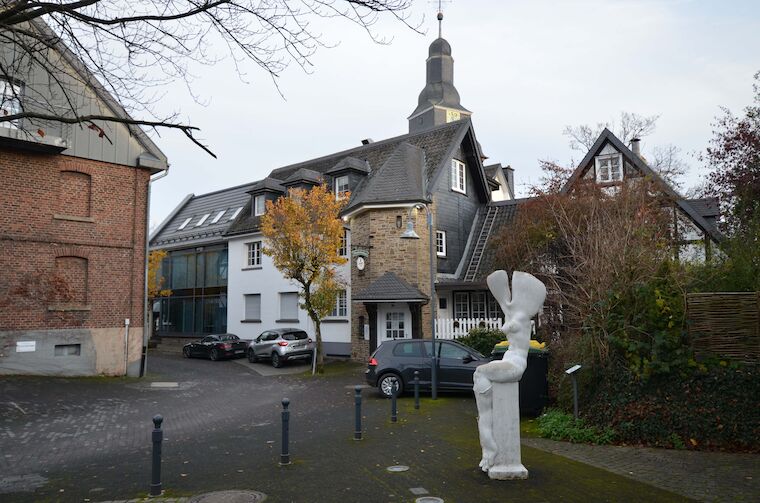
{"points": [[89, 439]]}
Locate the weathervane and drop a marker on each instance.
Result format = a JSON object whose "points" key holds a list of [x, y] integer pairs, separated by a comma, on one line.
{"points": [[440, 15]]}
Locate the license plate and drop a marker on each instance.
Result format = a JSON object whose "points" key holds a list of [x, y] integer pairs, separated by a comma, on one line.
{"points": [[239, 351]]}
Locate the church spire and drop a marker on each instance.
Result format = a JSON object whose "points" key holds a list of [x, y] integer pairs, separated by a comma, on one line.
{"points": [[438, 102]]}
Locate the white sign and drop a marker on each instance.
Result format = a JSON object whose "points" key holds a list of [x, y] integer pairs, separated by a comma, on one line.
{"points": [[366, 332], [26, 346]]}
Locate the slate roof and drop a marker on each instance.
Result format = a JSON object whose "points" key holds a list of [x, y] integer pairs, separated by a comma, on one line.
{"points": [[686, 205], [267, 184], [387, 288], [168, 234], [349, 163], [304, 175], [438, 144]]}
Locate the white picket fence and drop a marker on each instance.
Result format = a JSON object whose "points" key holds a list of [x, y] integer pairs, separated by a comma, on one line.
{"points": [[450, 328]]}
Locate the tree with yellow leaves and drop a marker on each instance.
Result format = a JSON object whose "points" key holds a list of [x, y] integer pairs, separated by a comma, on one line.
{"points": [[303, 234], [155, 279]]}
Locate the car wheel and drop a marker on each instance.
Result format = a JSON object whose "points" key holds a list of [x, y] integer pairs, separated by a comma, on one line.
{"points": [[186, 352], [214, 354], [252, 356], [388, 382], [276, 360]]}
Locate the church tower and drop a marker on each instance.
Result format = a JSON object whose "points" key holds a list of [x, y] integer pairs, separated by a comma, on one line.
{"points": [[439, 100]]}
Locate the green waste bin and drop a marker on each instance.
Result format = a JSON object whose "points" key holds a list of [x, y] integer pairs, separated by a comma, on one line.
{"points": [[534, 385]]}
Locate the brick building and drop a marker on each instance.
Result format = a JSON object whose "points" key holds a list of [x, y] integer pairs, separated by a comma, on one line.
{"points": [[73, 219]]}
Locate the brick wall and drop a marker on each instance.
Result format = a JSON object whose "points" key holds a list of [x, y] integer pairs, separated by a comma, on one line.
{"points": [[50, 229], [376, 231]]}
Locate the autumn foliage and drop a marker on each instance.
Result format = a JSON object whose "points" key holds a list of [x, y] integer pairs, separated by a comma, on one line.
{"points": [[303, 234]]}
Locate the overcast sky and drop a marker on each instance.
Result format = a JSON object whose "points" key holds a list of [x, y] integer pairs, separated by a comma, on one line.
{"points": [[526, 69]]}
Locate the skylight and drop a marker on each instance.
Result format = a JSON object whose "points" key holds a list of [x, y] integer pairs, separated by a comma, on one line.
{"points": [[184, 224], [218, 217], [237, 212], [203, 219]]}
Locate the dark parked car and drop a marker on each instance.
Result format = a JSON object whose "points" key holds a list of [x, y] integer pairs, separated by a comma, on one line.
{"points": [[394, 363], [280, 345], [216, 347]]}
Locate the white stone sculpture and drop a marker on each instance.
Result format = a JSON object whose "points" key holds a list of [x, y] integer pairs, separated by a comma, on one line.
{"points": [[496, 384]]}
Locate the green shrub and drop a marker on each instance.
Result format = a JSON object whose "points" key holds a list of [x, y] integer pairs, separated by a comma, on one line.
{"points": [[557, 425], [483, 339]]}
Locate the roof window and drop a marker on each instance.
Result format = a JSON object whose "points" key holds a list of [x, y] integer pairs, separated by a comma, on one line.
{"points": [[236, 213], [218, 217], [184, 224], [203, 219]]}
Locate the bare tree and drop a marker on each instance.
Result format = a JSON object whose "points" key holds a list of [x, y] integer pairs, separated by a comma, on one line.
{"points": [[132, 49], [627, 127]]}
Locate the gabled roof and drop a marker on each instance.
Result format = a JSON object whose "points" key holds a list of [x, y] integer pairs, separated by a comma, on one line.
{"points": [[303, 175], [389, 288], [268, 184], [168, 234], [349, 163], [639, 164]]}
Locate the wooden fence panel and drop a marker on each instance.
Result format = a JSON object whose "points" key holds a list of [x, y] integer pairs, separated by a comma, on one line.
{"points": [[725, 324]]}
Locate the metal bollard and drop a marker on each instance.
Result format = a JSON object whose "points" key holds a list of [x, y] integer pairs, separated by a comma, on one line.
{"points": [[416, 389], [158, 437], [285, 455], [358, 407], [394, 411]]}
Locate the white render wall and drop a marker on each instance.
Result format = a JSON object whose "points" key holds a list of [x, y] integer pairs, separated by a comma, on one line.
{"points": [[269, 283]]}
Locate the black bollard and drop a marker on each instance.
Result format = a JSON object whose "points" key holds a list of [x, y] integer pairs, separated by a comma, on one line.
{"points": [[394, 393], [285, 455], [158, 437], [416, 389], [358, 406]]}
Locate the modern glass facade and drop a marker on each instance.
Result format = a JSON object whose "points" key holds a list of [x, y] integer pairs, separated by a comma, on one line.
{"points": [[197, 278]]}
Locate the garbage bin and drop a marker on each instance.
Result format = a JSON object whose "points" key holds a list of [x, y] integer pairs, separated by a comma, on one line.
{"points": [[534, 385]]}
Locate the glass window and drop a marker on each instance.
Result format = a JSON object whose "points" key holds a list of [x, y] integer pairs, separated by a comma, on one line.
{"points": [[259, 205], [235, 213], [478, 304], [440, 243], [254, 254], [295, 336], [212, 269], [494, 311], [184, 224], [458, 176], [341, 305], [452, 351], [394, 326], [609, 168], [409, 349], [341, 186], [289, 306], [461, 305], [10, 101], [253, 306], [218, 217], [343, 250], [203, 219]]}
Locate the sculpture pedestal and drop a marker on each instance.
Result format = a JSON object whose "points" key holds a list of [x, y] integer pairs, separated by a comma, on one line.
{"points": [[506, 432]]}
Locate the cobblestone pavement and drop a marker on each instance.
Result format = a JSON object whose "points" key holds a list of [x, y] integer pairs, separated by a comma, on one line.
{"points": [[88, 439], [705, 476]]}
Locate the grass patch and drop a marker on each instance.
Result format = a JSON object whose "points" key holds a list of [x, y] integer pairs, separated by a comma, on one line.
{"points": [[557, 425]]}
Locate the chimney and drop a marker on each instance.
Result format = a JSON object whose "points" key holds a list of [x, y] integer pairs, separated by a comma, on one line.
{"points": [[635, 146], [367, 141], [509, 174]]}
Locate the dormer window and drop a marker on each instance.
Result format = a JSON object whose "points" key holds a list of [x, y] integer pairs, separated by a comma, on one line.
{"points": [[458, 176], [10, 101], [341, 186], [609, 168], [259, 205]]}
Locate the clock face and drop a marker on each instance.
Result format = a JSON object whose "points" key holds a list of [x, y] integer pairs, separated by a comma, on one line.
{"points": [[360, 263]]}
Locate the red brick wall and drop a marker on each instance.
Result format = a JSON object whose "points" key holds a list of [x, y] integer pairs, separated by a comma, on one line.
{"points": [[49, 230]]}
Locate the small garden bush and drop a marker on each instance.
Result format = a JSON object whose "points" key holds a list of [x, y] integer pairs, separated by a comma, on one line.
{"points": [[483, 339], [557, 425]]}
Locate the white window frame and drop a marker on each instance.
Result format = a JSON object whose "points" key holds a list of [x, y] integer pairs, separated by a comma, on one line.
{"points": [[235, 214], [478, 305], [458, 296], [184, 224], [203, 219], [605, 162], [343, 248], [246, 314], [253, 254], [341, 305], [458, 176], [340, 187], [11, 93], [440, 243], [395, 324], [259, 205], [218, 217]]}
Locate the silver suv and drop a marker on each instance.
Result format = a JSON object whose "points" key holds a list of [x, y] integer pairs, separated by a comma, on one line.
{"points": [[280, 345]]}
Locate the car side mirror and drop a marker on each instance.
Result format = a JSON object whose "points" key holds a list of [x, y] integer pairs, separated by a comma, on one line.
{"points": [[467, 359]]}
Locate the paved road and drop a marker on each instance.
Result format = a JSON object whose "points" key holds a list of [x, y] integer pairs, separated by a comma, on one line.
{"points": [[89, 440]]}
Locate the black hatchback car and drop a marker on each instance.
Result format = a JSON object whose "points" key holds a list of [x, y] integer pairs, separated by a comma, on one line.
{"points": [[394, 363]]}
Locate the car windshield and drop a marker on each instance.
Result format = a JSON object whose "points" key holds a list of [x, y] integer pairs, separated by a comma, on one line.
{"points": [[228, 337], [294, 336]]}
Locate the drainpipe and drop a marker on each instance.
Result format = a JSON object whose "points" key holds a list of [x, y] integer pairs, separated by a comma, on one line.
{"points": [[146, 318], [126, 346]]}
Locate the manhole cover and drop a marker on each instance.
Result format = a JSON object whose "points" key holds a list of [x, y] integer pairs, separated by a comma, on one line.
{"points": [[229, 497], [398, 468], [428, 499], [164, 385]]}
